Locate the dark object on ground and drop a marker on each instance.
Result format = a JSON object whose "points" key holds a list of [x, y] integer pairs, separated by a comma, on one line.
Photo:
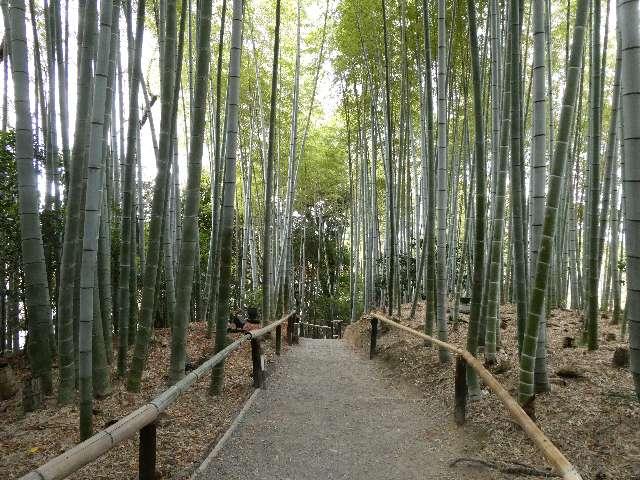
{"points": [[235, 320], [570, 371], [610, 337], [514, 468], [504, 365], [621, 357], [252, 314], [568, 342]]}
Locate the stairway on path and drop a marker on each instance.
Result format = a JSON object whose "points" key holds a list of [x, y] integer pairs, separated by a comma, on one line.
{"points": [[329, 413]]}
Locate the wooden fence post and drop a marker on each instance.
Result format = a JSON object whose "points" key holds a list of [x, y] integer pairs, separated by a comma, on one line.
{"points": [[460, 390], [296, 331], [374, 337], [147, 452], [290, 328], [256, 358], [278, 339]]}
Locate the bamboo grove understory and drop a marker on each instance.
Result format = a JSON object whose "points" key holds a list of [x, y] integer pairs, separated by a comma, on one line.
{"points": [[167, 162]]}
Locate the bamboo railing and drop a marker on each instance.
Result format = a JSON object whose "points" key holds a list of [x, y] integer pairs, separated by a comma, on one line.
{"points": [[554, 456], [313, 330], [143, 419]]}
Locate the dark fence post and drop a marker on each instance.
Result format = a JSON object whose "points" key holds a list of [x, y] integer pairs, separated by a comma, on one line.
{"points": [[296, 330], [374, 336], [290, 327], [460, 390], [256, 358], [278, 339], [147, 452]]}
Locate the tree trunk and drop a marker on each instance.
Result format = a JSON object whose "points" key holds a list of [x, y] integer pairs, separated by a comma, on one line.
{"points": [[227, 213], [167, 125], [33, 262], [629, 17], [267, 273], [188, 259], [536, 307], [441, 200], [480, 174]]}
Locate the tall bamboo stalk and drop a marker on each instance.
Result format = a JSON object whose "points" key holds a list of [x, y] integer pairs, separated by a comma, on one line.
{"points": [[629, 18], [556, 172], [227, 213], [441, 183]]}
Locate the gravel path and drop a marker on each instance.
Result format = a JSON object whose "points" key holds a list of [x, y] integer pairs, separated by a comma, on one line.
{"points": [[329, 413]]}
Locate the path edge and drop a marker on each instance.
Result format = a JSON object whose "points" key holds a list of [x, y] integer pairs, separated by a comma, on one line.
{"points": [[223, 440]]}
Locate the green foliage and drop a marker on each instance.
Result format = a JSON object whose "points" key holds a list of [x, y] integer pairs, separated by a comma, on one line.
{"points": [[253, 298], [52, 220], [323, 175], [9, 214]]}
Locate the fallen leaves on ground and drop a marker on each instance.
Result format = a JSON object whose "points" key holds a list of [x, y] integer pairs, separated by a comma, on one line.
{"points": [[186, 431], [591, 412]]}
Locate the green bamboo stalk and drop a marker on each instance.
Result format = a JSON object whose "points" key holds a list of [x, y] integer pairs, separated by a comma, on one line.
{"points": [[186, 266], [556, 172], [629, 18], [595, 121], [228, 201], [480, 192], [36, 286]]}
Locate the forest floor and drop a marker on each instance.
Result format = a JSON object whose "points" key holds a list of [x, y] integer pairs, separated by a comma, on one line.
{"points": [[591, 413], [186, 431]]}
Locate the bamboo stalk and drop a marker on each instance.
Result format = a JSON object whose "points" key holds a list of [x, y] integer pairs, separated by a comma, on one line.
{"points": [[97, 445]]}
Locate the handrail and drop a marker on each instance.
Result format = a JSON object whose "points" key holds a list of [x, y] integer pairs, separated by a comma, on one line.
{"points": [[144, 417], [553, 455], [314, 325], [261, 332]]}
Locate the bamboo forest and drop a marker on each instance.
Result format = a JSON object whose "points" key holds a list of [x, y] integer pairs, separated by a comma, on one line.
{"points": [[318, 239]]}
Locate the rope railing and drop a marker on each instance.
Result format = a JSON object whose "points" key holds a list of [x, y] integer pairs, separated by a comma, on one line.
{"points": [[143, 419], [553, 455]]}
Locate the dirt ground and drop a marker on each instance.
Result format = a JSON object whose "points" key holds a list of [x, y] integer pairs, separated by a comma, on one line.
{"points": [[593, 419], [329, 413], [186, 431]]}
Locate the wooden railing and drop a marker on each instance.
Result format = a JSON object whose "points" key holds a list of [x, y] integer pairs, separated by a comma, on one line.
{"points": [[464, 358], [143, 419], [313, 330]]}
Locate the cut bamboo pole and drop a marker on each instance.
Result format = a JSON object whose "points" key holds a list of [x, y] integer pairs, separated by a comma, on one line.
{"points": [[100, 443], [554, 456]]}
